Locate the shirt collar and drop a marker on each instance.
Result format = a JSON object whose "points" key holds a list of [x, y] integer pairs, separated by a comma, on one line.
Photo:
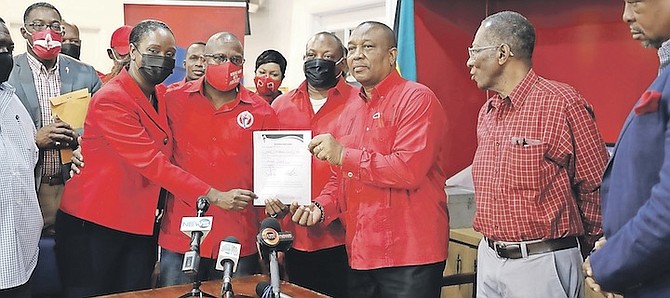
{"points": [[339, 87], [518, 94], [385, 86], [37, 67], [243, 94], [664, 54]]}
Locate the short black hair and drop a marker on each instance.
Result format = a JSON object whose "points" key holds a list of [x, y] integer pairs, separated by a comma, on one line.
{"points": [[514, 29], [272, 56], [144, 27], [388, 32], [39, 5], [343, 49]]}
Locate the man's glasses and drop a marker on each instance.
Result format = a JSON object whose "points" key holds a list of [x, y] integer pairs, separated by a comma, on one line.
{"points": [[41, 26], [220, 58], [472, 52]]}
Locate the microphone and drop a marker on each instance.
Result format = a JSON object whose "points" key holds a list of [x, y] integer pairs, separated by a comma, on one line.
{"points": [[264, 290], [229, 255], [197, 227], [270, 240]]}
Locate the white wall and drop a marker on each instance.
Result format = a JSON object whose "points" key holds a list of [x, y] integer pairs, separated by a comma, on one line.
{"points": [[284, 25]]}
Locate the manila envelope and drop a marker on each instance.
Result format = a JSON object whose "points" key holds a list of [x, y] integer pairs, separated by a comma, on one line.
{"points": [[71, 108]]}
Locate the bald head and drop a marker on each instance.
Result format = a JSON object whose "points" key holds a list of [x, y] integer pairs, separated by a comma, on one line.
{"points": [[386, 33], [218, 41], [329, 42], [511, 28]]}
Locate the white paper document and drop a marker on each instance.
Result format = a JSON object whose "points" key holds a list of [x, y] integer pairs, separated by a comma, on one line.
{"points": [[282, 166]]}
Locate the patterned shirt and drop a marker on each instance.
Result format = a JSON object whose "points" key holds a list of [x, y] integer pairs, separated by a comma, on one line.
{"points": [[538, 166], [47, 85], [664, 55], [20, 216]]}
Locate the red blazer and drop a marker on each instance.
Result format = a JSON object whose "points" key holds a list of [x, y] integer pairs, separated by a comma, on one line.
{"points": [[127, 147]]}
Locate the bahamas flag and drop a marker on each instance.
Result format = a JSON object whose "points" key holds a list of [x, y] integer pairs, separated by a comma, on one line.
{"points": [[404, 30]]}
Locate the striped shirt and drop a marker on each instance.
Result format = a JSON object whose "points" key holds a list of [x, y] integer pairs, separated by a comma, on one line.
{"points": [[538, 165], [47, 85], [20, 216]]}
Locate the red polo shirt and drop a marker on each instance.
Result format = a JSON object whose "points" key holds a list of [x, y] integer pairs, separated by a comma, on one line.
{"points": [[295, 112], [216, 146], [391, 186]]}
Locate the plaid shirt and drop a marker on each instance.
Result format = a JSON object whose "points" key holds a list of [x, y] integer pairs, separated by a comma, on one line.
{"points": [[538, 165], [20, 216], [664, 55], [47, 85]]}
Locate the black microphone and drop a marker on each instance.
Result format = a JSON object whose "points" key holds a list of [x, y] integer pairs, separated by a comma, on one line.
{"points": [[264, 290], [270, 240], [192, 257], [229, 254]]}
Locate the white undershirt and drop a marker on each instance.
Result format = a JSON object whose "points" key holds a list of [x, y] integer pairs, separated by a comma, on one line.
{"points": [[317, 103]]}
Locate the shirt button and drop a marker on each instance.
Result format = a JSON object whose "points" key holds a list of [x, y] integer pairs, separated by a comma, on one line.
{"points": [[350, 174], [367, 129], [497, 143], [165, 141], [214, 139], [212, 164]]}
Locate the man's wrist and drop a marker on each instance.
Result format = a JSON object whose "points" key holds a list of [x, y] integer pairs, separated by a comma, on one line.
{"points": [[323, 213]]}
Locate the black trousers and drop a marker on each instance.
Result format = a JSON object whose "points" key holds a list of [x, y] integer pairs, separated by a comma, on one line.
{"points": [[95, 260], [421, 281], [22, 291], [324, 271]]}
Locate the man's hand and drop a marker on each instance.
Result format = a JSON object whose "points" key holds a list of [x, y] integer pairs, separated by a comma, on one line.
{"points": [[326, 147], [275, 208], [77, 161], [588, 272], [234, 199], [56, 135], [306, 215]]}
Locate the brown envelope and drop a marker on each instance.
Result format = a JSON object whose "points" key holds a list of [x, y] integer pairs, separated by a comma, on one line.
{"points": [[71, 108]]}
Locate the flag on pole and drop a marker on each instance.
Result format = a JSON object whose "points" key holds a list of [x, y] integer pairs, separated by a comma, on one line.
{"points": [[404, 29]]}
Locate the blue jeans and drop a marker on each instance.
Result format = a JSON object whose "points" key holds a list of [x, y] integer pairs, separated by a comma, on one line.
{"points": [[171, 274]]}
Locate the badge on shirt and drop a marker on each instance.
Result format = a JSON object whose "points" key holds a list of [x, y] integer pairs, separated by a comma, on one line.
{"points": [[245, 119], [376, 115]]}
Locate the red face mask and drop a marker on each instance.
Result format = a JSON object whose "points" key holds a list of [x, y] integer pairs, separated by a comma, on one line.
{"points": [[46, 44], [266, 85], [224, 76]]}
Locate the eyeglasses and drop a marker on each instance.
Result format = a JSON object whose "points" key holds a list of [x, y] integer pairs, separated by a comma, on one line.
{"points": [[472, 52], [220, 58], [41, 26]]}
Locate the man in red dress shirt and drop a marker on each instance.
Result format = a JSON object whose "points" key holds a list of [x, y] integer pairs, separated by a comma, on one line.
{"points": [[318, 259], [537, 169], [389, 188], [213, 119]]}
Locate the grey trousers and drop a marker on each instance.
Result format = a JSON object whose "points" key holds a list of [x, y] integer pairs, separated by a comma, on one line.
{"points": [[553, 274]]}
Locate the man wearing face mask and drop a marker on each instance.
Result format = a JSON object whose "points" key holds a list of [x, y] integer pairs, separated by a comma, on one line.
{"points": [[318, 259], [19, 210], [71, 42], [270, 72], [39, 75], [118, 52], [213, 119]]}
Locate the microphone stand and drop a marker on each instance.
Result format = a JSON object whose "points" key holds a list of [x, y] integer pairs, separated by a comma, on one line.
{"points": [[202, 206], [274, 274]]}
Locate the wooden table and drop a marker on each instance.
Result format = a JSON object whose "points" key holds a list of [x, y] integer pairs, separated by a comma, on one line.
{"points": [[243, 286]]}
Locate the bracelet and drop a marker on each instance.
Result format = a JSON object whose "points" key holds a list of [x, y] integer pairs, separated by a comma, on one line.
{"points": [[323, 213]]}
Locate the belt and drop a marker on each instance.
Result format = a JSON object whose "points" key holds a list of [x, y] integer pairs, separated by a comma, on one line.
{"points": [[517, 250], [53, 180]]}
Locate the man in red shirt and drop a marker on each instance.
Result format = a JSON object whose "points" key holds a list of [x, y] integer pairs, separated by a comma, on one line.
{"points": [[318, 259], [389, 188], [212, 120], [194, 63], [118, 52], [537, 169]]}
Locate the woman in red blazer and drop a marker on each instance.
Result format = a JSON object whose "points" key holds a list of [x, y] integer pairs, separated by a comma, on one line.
{"points": [[104, 238]]}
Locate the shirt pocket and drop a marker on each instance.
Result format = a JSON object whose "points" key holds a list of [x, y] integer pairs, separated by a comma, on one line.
{"points": [[523, 167], [381, 140]]}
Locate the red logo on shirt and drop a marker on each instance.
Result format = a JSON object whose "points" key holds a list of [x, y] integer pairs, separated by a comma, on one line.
{"points": [[245, 119]]}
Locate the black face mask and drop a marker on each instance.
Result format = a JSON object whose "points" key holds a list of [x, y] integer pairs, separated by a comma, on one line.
{"points": [[155, 69], [320, 73], [71, 50], [6, 64]]}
